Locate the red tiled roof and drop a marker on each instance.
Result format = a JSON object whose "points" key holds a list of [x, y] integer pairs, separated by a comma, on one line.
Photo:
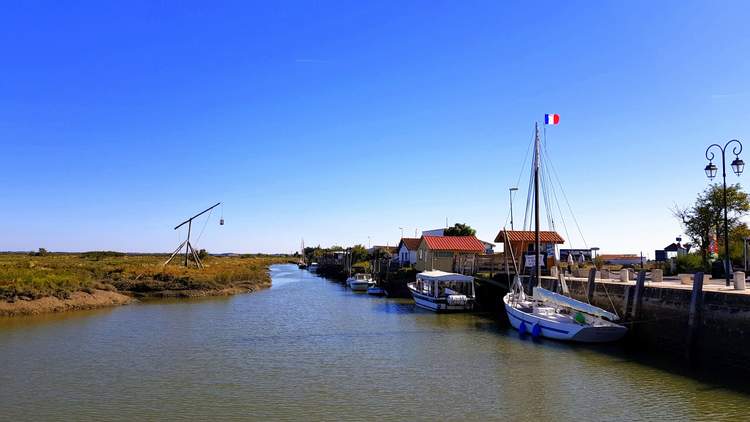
{"points": [[529, 236], [411, 243], [454, 243]]}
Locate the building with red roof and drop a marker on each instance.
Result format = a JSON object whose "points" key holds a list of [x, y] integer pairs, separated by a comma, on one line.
{"points": [[448, 253]]}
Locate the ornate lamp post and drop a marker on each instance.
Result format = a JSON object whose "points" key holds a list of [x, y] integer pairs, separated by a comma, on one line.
{"points": [[737, 166]]}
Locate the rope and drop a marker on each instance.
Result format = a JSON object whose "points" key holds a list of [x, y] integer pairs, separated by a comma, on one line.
{"points": [[645, 321], [565, 196], [610, 299], [205, 223]]}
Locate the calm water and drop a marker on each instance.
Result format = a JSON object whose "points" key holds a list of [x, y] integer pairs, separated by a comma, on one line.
{"points": [[309, 349]]}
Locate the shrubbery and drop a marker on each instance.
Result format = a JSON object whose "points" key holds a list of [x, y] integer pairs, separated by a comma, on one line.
{"points": [[689, 263]]}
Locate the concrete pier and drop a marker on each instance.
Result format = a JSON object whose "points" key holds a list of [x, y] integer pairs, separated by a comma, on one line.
{"points": [[663, 313]]}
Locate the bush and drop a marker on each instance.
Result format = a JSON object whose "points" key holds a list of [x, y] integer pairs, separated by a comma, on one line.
{"points": [[689, 263]]}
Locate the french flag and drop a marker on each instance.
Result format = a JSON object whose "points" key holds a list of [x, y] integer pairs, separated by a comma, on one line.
{"points": [[551, 119]]}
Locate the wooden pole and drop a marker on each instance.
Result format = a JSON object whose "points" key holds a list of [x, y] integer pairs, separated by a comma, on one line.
{"points": [[591, 284], [638, 295], [695, 318], [187, 251], [537, 241], [176, 251]]}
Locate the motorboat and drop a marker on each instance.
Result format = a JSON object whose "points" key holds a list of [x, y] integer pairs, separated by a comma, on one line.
{"points": [[360, 282], [375, 290], [441, 291]]}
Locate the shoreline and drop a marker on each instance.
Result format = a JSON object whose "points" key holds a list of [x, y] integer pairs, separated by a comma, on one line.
{"points": [[78, 301], [97, 298], [99, 280]]}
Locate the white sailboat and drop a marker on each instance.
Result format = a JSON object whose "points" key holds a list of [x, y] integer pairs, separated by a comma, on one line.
{"points": [[551, 315], [301, 264]]}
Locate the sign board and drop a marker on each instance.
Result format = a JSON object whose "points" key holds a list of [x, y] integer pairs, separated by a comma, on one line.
{"points": [[529, 259], [550, 249]]}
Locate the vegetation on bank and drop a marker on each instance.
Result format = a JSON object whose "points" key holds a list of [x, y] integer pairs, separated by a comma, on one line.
{"points": [[34, 276]]}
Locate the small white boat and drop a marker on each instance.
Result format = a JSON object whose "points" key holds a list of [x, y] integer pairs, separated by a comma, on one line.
{"points": [[375, 290], [360, 282], [443, 292], [313, 268], [551, 315]]}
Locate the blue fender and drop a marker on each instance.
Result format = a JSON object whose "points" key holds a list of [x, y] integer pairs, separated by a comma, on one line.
{"points": [[522, 328], [536, 331]]}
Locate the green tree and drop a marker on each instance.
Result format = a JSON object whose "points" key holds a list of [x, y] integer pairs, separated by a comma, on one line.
{"points": [[460, 229], [359, 253], [707, 214]]}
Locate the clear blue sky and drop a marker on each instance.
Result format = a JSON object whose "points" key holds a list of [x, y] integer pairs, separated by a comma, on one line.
{"points": [[339, 121]]}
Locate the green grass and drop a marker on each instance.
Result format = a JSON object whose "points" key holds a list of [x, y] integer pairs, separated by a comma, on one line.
{"points": [[60, 275]]}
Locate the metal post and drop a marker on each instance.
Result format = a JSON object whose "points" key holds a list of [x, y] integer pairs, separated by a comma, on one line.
{"points": [[727, 259], [510, 193], [711, 169]]}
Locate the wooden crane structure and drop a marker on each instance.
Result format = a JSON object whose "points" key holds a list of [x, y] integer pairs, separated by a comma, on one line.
{"points": [[189, 251]]}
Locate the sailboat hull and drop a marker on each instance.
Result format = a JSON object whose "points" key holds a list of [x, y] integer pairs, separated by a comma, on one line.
{"points": [[562, 330]]}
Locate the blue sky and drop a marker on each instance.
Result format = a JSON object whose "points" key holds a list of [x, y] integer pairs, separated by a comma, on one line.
{"points": [[338, 121]]}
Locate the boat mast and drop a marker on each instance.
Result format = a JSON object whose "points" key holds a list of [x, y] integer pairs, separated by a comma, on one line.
{"points": [[537, 243]]}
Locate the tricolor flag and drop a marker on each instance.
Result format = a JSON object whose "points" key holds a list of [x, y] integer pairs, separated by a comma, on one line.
{"points": [[551, 119]]}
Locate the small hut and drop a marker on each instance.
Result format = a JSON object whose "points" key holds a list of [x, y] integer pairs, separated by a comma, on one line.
{"points": [[522, 242]]}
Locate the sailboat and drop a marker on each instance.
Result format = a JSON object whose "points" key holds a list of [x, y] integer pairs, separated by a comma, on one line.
{"points": [[301, 264], [548, 314]]}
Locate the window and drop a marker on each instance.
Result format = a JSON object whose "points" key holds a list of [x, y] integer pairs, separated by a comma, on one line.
{"points": [[420, 254], [444, 254]]}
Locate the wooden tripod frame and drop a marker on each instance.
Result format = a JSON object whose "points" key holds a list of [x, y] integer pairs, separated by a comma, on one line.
{"points": [[189, 250]]}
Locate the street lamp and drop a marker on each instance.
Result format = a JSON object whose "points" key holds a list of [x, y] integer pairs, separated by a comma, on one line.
{"points": [[738, 167], [510, 192]]}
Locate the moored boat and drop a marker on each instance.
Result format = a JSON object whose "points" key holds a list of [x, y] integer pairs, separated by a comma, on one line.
{"points": [[440, 291], [313, 268], [360, 282], [544, 313], [375, 290], [551, 315]]}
